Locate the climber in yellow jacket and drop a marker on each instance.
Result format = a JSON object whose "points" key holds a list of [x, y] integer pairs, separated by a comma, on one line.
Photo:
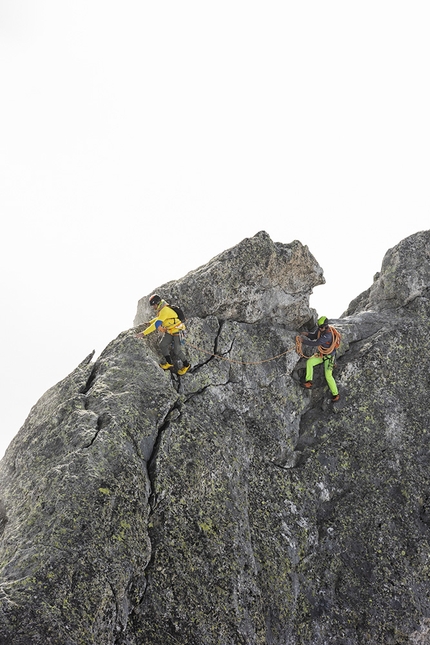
{"points": [[167, 321]]}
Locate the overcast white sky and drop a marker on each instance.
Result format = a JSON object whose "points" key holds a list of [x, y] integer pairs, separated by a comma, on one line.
{"points": [[139, 139]]}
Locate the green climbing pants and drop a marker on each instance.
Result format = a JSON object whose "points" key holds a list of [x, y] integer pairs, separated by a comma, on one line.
{"points": [[328, 370]]}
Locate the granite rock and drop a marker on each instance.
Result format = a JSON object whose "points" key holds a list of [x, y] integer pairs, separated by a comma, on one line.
{"points": [[230, 506]]}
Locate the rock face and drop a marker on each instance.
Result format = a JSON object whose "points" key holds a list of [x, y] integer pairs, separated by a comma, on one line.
{"points": [[230, 506], [247, 283], [404, 278]]}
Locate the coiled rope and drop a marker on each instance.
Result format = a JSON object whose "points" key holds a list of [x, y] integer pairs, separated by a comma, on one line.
{"points": [[322, 351], [299, 346]]}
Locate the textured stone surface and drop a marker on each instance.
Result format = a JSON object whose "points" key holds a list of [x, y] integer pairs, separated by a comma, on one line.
{"points": [[404, 277], [249, 282], [230, 506]]}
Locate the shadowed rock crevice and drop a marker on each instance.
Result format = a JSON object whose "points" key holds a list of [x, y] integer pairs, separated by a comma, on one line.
{"points": [[3, 517], [90, 382], [229, 505], [173, 415], [102, 421], [214, 353]]}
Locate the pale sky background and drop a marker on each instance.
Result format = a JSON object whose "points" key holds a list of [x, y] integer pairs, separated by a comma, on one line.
{"points": [[140, 139]]}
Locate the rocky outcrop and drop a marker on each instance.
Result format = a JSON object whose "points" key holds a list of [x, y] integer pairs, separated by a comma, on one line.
{"points": [[403, 279], [252, 281], [229, 506]]}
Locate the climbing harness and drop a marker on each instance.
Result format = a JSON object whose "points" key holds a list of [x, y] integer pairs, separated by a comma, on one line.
{"points": [[179, 326]]}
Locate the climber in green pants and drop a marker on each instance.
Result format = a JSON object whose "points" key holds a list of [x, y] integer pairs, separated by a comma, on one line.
{"points": [[324, 339]]}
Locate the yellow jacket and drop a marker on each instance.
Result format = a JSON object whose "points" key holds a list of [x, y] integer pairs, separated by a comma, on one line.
{"points": [[168, 319]]}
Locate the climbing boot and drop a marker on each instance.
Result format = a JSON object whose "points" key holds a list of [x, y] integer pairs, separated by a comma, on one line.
{"points": [[168, 364], [184, 369], [307, 385]]}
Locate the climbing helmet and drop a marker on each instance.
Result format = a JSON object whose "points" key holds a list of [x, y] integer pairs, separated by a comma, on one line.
{"points": [[154, 300]]}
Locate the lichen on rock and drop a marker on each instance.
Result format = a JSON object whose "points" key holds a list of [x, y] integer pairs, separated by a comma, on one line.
{"points": [[229, 506]]}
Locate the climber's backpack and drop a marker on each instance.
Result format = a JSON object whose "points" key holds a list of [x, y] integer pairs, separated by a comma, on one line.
{"points": [[178, 311]]}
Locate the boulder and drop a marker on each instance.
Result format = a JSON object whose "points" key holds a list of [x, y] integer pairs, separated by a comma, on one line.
{"points": [[254, 280]]}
